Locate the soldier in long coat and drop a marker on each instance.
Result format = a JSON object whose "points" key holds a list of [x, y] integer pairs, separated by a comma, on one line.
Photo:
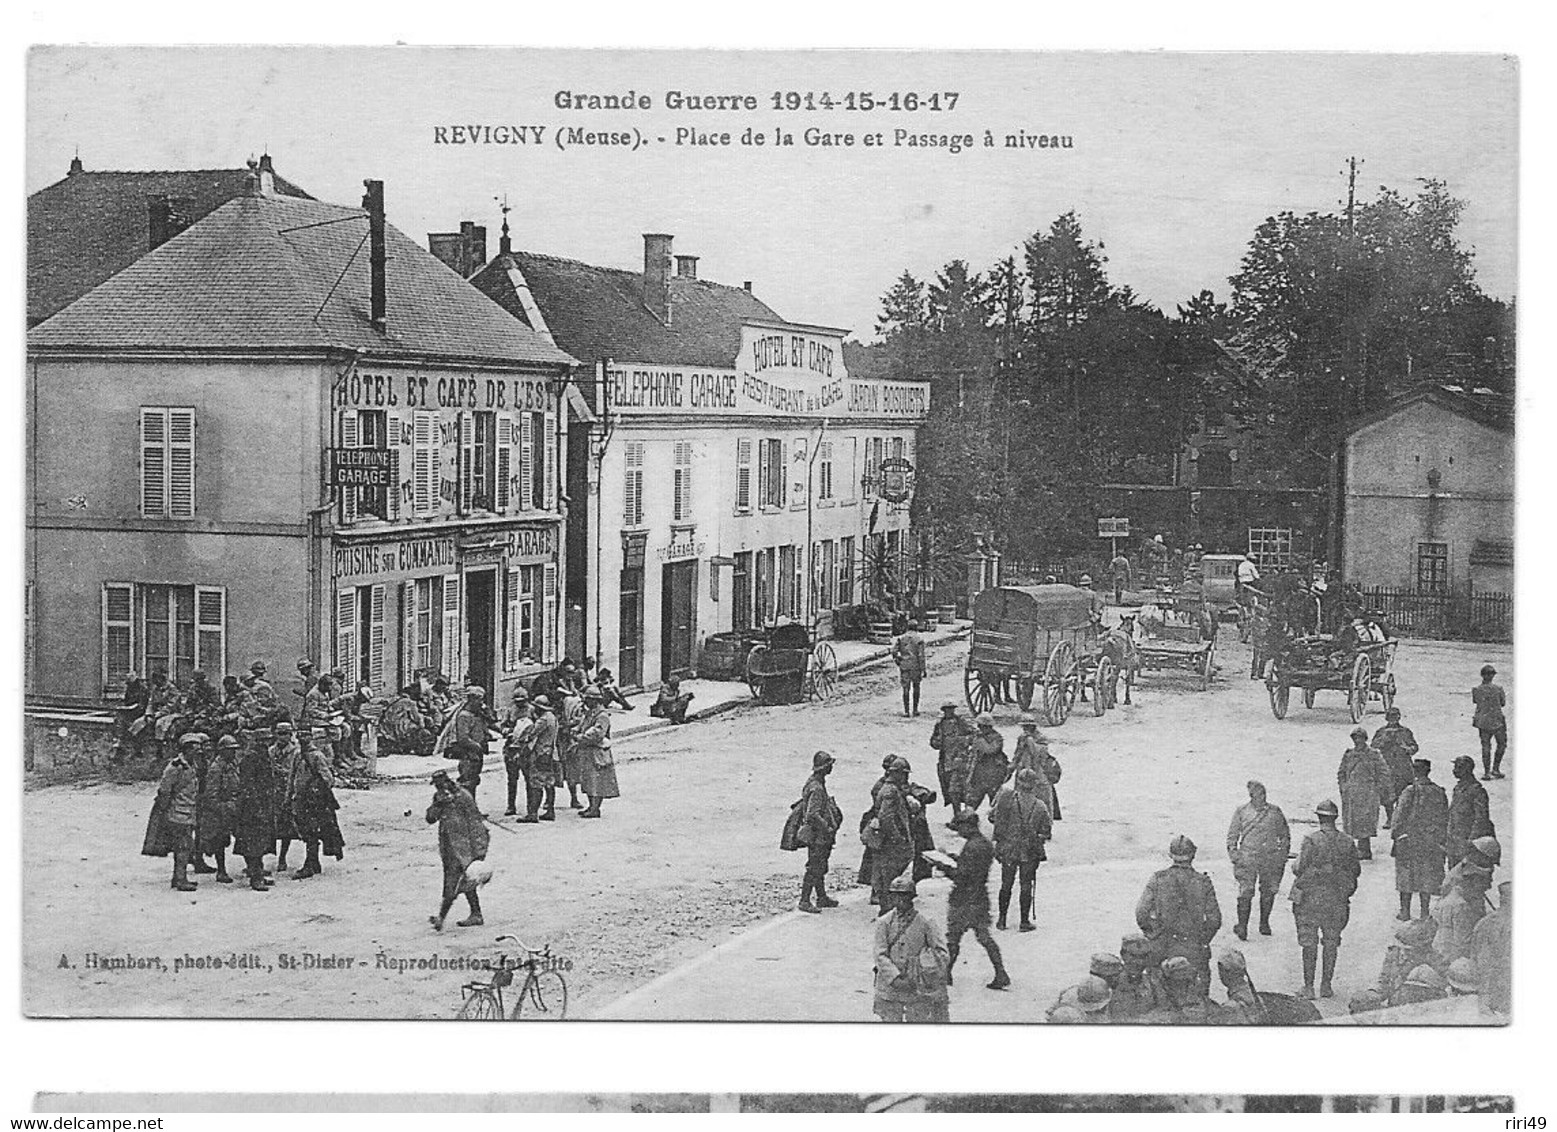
{"points": [[1323, 882], [950, 737], [218, 806], [170, 829], [1491, 948], [908, 654], [1365, 786], [254, 821], [1258, 840], [1032, 753], [987, 752], [908, 988], [1468, 811], [1398, 746], [1420, 828], [597, 766], [462, 839], [892, 818], [1021, 826], [540, 761], [1178, 911], [820, 818], [313, 810]]}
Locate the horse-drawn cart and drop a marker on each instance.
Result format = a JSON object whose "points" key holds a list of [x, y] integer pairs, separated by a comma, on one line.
{"points": [[1032, 638], [1364, 671], [1181, 638], [793, 664]]}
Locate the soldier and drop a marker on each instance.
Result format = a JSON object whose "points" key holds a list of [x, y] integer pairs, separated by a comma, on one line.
{"points": [[1187, 1000], [1413, 947], [540, 763], [1178, 911], [1420, 828], [218, 806], [1490, 948], [1258, 841], [598, 765], [170, 829], [313, 810], [1397, 746], [468, 738], [1244, 1007], [907, 988], [254, 822], [1088, 999], [1323, 881], [950, 737], [896, 851], [1423, 984], [1468, 811], [1021, 826], [967, 909], [515, 728], [462, 840], [1365, 786], [820, 818], [1490, 723], [1464, 900], [1139, 989], [987, 750], [1032, 752], [908, 654], [284, 754]]}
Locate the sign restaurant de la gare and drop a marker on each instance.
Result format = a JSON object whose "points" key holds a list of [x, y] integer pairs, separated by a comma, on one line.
{"points": [[780, 371]]}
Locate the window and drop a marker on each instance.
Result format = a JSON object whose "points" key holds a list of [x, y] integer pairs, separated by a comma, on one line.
{"points": [[742, 476], [848, 458], [770, 473], [846, 571], [632, 487], [167, 463], [897, 450], [800, 472], [1270, 547], [741, 592], [478, 437], [536, 475], [519, 635], [824, 472], [1432, 567], [359, 636], [681, 495], [424, 462], [828, 575], [151, 627], [503, 484], [366, 428], [787, 583], [763, 599], [419, 601], [874, 454]]}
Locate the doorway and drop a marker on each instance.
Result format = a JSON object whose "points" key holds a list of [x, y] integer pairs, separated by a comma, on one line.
{"points": [[629, 666], [480, 623], [678, 616]]}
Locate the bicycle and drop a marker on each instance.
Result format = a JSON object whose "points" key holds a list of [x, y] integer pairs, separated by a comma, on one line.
{"points": [[543, 997]]}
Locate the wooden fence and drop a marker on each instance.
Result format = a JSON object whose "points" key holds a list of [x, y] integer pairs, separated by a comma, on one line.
{"points": [[1465, 616]]}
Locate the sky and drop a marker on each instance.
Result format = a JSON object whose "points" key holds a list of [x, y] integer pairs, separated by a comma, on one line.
{"points": [[1174, 158]]}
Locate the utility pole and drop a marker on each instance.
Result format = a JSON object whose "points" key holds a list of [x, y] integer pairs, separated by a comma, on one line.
{"points": [[1351, 196]]}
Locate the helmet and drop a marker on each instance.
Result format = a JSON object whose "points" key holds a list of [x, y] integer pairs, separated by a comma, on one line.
{"points": [[1327, 809], [304, 664], [475, 693], [1065, 1014], [189, 737], [1232, 962], [1356, 731], [258, 668], [950, 705], [899, 763], [1488, 670], [1028, 719], [1181, 848], [593, 694], [1424, 976], [1417, 933], [1392, 713], [227, 742], [985, 720], [1103, 964], [821, 759], [1086, 579], [903, 886], [1489, 847], [886, 763], [1027, 776], [284, 725], [1088, 996], [1177, 969], [1365, 1001], [968, 819], [1137, 945], [1462, 975]]}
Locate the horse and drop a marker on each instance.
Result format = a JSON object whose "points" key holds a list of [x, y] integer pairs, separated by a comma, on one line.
{"points": [[1118, 645]]}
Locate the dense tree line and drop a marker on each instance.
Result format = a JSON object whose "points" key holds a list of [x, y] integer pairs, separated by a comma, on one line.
{"points": [[1048, 379]]}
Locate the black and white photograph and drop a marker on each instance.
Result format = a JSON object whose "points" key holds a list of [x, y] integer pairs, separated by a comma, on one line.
{"points": [[798, 536]]}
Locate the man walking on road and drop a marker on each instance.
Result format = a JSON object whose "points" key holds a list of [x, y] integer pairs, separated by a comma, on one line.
{"points": [[1365, 786], [892, 819], [908, 654], [539, 763], [1397, 746], [468, 739], [950, 737], [462, 839], [1179, 912], [597, 765], [908, 989], [819, 822], [1420, 828], [1032, 752], [967, 908], [1323, 881], [1258, 841], [1468, 811], [1021, 825], [515, 727], [987, 751], [1490, 723]]}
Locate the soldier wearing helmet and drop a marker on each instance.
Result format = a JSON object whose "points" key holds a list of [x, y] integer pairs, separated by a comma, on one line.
{"points": [[1469, 815], [1397, 746], [967, 908], [1032, 753], [1022, 824], [1323, 881], [987, 752], [1138, 990], [894, 824], [1178, 911], [1187, 1000], [911, 960], [1243, 1004], [1413, 947], [1258, 840], [170, 828], [1420, 827], [950, 736], [1365, 785]]}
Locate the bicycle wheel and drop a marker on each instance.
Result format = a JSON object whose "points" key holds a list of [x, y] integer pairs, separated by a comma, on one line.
{"points": [[544, 999], [480, 1006]]}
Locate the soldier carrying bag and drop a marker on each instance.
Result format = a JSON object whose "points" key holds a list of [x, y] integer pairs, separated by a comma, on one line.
{"points": [[794, 826]]}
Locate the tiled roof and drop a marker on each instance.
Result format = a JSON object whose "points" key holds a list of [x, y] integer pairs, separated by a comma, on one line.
{"points": [[91, 225], [1478, 403], [277, 272], [594, 312]]}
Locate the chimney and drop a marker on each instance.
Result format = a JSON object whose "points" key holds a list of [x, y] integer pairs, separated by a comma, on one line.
{"points": [[473, 243], [686, 267], [747, 286], [656, 275], [75, 166], [267, 176], [373, 202], [166, 217]]}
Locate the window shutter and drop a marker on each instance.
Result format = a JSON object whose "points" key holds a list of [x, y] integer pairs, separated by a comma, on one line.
{"points": [[682, 481], [351, 437], [632, 495], [466, 423], [549, 588], [743, 474], [423, 463], [511, 638], [505, 448], [549, 446], [799, 470], [451, 628], [407, 632], [154, 463], [211, 628], [375, 675], [346, 634], [526, 460], [118, 633], [181, 463], [392, 440], [764, 472]]}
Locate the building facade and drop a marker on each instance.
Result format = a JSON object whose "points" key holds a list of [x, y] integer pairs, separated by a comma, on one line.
{"points": [[255, 442], [738, 476], [1427, 494]]}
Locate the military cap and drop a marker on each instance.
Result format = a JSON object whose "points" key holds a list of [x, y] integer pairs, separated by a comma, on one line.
{"points": [[1417, 933], [1328, 809], [1356, 731], [950, 705], [227, 741], [1232, 960], [304, 664], [968, 819], [1488, 847], [821, 759], [259, 668], [1027, 776], [903, 886], [474, 692], [1392, 713], [1181, 848], [1088, 996], [1462, 975], [1136, 944], [1103, 964], [985, 719], [1178, 969], [193, 737], [1066, 1015], [593, 694], [1424, 976], [1423, 765], [1028, 719], [899, 763]]}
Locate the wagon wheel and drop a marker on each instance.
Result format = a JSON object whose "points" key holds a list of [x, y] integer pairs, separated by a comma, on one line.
{"points": [[1103, 678], [1280, 696], [1357, 689], [753, 676], [1024, 692], [1207, 665], [1308, 697], [1245, 622], [821, 671], [1387, 693], [1061, 681], [979, 691]]}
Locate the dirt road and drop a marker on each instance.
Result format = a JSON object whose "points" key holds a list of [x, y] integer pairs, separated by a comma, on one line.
{"points": [[687, 859]]}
